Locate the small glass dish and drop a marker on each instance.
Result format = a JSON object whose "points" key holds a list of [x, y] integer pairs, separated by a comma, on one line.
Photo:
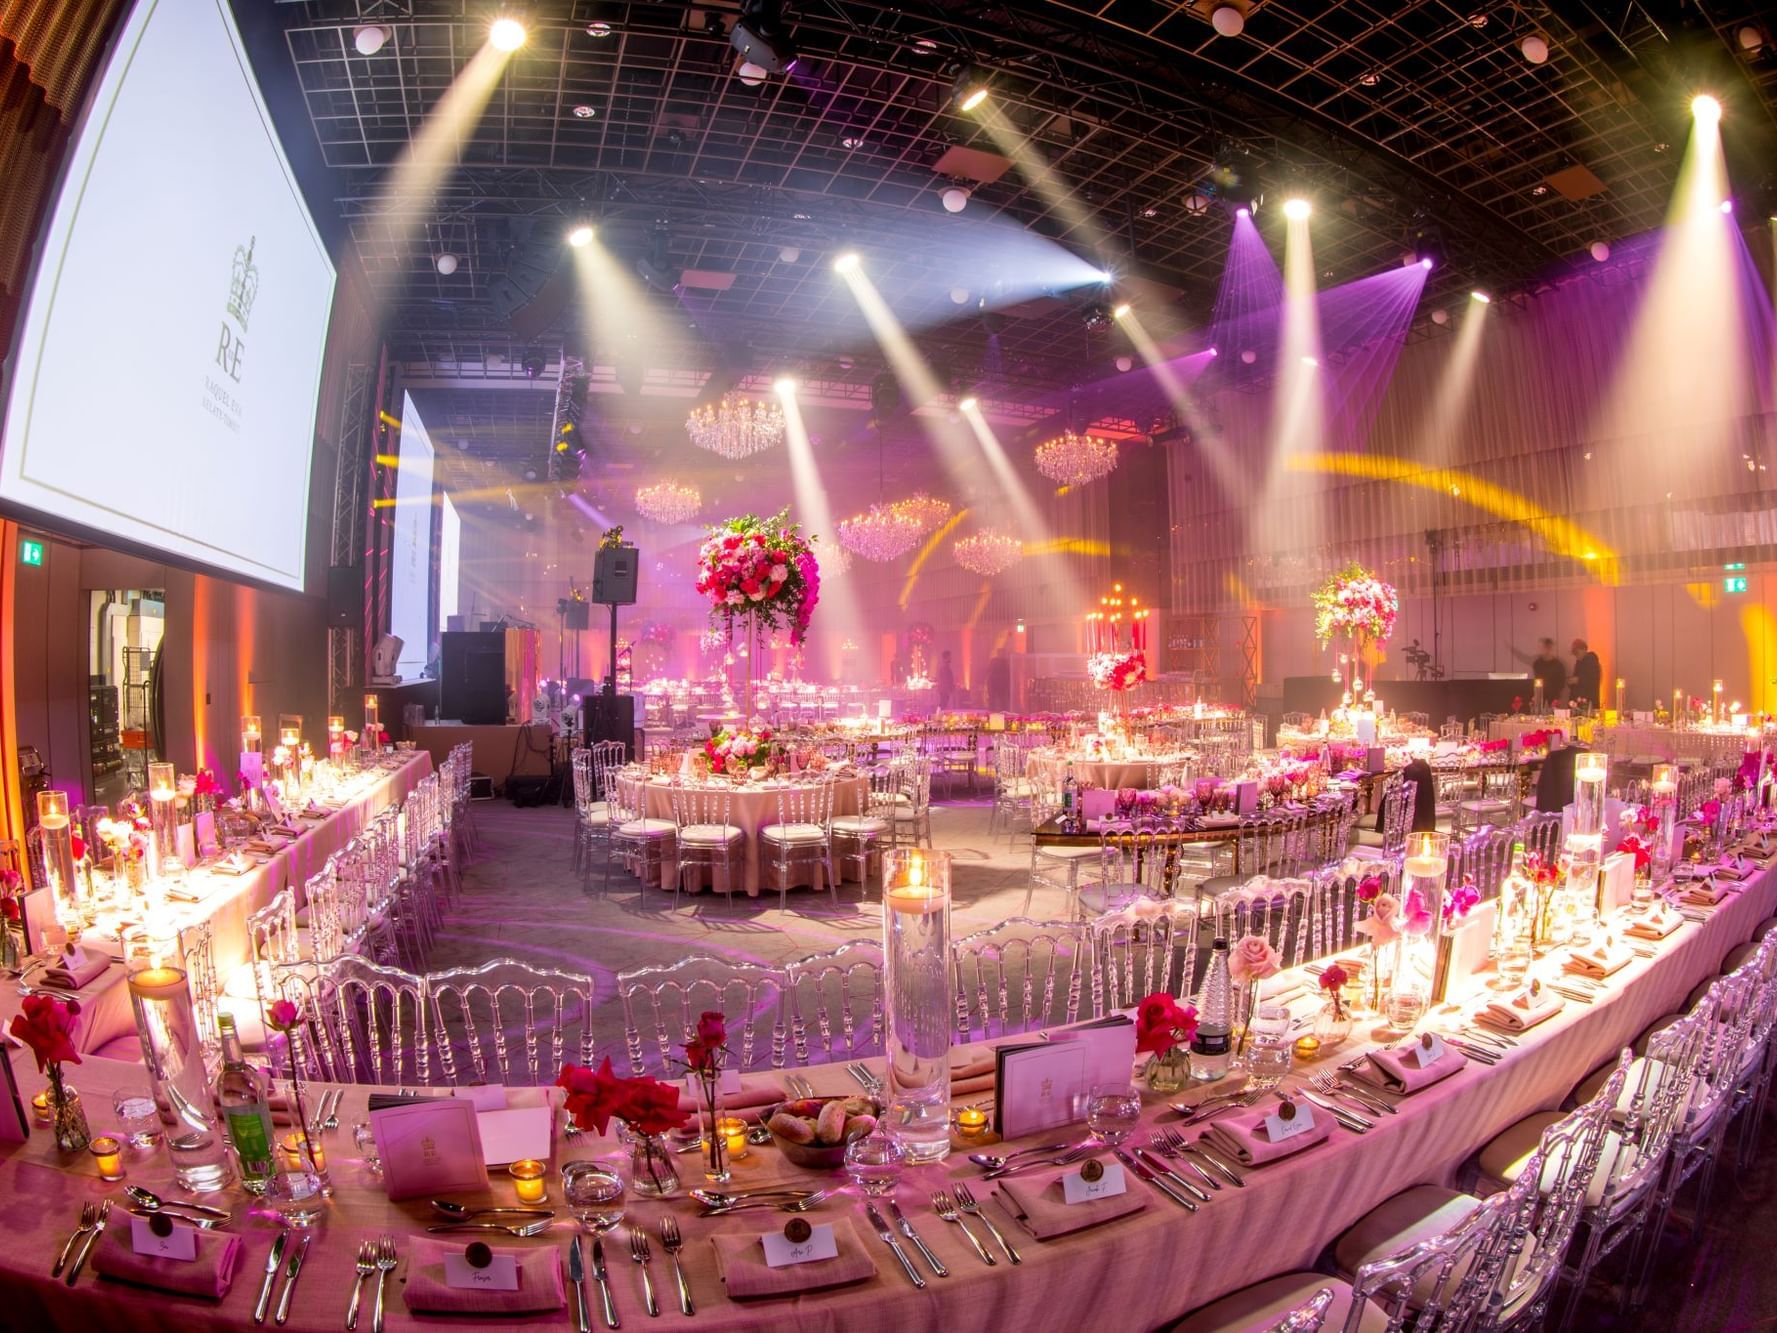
{"points": [[875, 1162]]}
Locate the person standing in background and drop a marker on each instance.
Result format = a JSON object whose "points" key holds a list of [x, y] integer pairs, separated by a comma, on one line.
{"points": [[946, 680], [1547, 667], [999, 683], [1588, 675]]}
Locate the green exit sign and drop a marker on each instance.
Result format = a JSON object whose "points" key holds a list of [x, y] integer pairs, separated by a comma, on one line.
{"points": [[1734, 583], [30, 551]]}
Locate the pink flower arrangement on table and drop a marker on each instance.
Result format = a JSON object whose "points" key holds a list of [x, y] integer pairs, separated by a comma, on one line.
{"points": [[763, 568], [1355, 603], [1460, 901], [1540, 739], [1117, 671], [1383, 924], [1251, 960], [731, 751], [1162, 1023]]}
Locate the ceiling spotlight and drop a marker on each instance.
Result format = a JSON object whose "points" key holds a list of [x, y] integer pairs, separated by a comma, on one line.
{"points": [[446, 263], [1125, 364], [598, 31], [1227, 20], [761, 37], [969, 404], [1481, 296], [750, 74], [1297, 210], [847, 262], [1370, 79], [1215, 351], [506, 34], [1197, 203], [1097, 318], [584, 112], [970, 88], [1248, 357], [1243, 212], [369, 39], [959, 295], [1425, 262], [1440, 316], [1534, 48], [1727, 206], [789, 254], [1310, 362], [783, 386], [1600, 251], [924, 45], [580, 236], [1750, 37], [954, 198], [853, 141], [1121, 310], [1705, 108]]}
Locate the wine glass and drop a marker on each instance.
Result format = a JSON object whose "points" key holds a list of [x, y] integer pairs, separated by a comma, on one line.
{"points": [[136, 1115], [1112, 1111], [595, 1193]]}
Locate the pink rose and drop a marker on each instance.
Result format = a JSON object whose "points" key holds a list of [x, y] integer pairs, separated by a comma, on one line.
{"points": [[1252, 959], [284, 1015]]}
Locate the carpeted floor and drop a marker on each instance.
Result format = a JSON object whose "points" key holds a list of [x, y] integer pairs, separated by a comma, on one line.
{"points": [[523, 900]]}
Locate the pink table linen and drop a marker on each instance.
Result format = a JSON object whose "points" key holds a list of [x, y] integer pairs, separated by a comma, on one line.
{"points": [[1146, 1269], [751, 810]]}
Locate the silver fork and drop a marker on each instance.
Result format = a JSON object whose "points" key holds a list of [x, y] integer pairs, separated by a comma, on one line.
{"points": [[866, 1080], [965, 1199], [1326, 1082], [639, 1251], [945, 1207], [89, 1214], [782, 1203], [1172, 1138], [332, 1120], [385, 1264], [799, 1085], [1072, 1155], [1160, 1142], [366, 1265], [671, 1241]]}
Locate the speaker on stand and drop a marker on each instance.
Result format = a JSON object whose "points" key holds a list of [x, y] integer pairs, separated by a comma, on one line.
{"points": [[609, 715]]}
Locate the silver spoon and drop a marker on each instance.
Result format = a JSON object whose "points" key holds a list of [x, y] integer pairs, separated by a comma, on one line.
{"points": [[463, 1212], [204, 1223], [154, 1203], [993, 1162]]}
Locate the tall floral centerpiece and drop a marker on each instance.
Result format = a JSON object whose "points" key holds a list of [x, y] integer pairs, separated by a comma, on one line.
{"points": [[1357, 610], [47, 1026], [705, 1055], [763, 572], [647, 1108], [1117, 644]]}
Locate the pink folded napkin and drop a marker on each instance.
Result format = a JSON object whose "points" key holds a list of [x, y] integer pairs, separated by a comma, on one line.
{"points": [[1043, 1210], [539, 1281], [1398, 1070], [970, 1076], [1598, 960], [755, 1095], [1244, 1135], [1657, 924], [210, 1274], [78, 968], [740, 1258], [1734, 867], [1704, 892], [1523, 1011]]}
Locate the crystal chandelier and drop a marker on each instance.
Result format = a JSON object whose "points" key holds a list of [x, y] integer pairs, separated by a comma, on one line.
{"points": [[927, 511], [834, 559], [987, 552], [736, 427], [668, 502], [879, 533], [1074, 459]]}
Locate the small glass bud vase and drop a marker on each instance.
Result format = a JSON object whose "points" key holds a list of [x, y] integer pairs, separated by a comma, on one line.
{"points": [[1169, 1071], [653, 1173], [67, 1117], [1332, 1023]]}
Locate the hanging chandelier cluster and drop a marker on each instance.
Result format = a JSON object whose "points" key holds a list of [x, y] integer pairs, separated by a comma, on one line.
{"points": [[927, 512], [1074, 458], [880, 533], [669, 502], [736, 427], [835, 560], [987, 552]]}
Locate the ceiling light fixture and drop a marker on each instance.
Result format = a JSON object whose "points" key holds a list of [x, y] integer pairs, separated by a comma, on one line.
{"points": [[669, 502], [446, 263], [1121, 311], [987, 552], [1075, 458], [1227, 20], [1534, 48], [928, 512], [584, 112], [879, 534], [847, 262], [970, 87], [736, 427], [789, 254], [762, 38], [959, 295], [750, 74], [506, 34], [369, 39], [784, 386], [954, 198], [1297, 209], [1480, 296], [1600, 251], [598, 31], [580, 236], [968, 404], [1705, 109]]}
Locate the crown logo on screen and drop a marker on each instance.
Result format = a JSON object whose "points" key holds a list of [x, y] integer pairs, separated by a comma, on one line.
{"points": [[244, 286]]}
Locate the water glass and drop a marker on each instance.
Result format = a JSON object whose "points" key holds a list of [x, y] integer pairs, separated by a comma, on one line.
{"points": [[137, 1117], [365, 1139], [595, 1193], [875, 1162], [1268, 1046], [297, 1195], [1112, 1112]]}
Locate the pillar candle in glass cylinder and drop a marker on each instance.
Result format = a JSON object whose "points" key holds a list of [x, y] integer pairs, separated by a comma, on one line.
{"points": [[336, 737], [1589, 773], [173, 1054], [251, 738], [1664, 791], [58, 857], [1715, 702], [163, 795], [372, 722], [920, 999]]}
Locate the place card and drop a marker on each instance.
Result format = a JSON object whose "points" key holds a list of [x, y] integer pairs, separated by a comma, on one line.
{"points": [[1288, 1121], [514, 1134], [159, 1238], [1094, 1180], [727, 1083], [800, 1242], [1428, 1050], [478, 1268], [431, 1146]]}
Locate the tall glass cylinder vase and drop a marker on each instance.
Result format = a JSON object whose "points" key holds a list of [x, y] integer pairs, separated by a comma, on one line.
{"points": [[173, 1053], [163, 811], [920, 993], [1424, 871], [1664, 792], [1589, 773], [72, 907], [369, 738]]}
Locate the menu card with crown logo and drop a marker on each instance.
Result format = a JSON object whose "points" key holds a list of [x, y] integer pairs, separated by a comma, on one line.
{"points": [[430, 1147]]}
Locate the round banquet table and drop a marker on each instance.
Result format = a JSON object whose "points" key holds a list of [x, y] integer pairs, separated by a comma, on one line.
{"points": [[751, 808], [1139, 773], [1145, 1269]]}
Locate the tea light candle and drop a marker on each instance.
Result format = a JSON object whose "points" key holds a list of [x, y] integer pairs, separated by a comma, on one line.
{"points": [[527, 1180], [1307, 1046], [107, 1156], [289, 737], [40, 1107], [292, 1146], [734, 1133], [971, 1120], [250, 733]]}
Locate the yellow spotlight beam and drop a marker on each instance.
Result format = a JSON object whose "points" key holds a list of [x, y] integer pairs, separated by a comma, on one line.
{"points": [[1039, 175], [839, 596], [925, 553], [1560, 535], [613, 298]]}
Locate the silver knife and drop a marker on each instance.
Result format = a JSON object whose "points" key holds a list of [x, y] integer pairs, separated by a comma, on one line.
{"points": [[271, 1272], [598, 1273], [1350, 1119], [291, 1272], [1142, 1173], [1161, 1168], [907, 1230], [577, 1275], [882, 1229]]}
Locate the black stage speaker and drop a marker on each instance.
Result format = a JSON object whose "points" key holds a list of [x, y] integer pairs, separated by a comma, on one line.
{"points": [[578, 615], [614, 576], [612, 717], [472, 678], [345, 596]]}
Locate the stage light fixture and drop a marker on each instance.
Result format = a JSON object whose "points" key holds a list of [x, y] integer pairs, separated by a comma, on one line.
{"points": [[598, 31], [585, 112], [1297, 210], [580, 235], [506, 34], [1481, 296], [1121, 310], [970, 88], [369, 39], [968, 404], [1727, 206], [446, 263], [1310, 362], [1425, 262], [1097, 318], [762, 39], [784, 386], [750, 74], [1705, 108], [847, 262]]}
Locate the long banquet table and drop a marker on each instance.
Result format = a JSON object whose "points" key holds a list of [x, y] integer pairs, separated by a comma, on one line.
{"points": [[228, 900], [1138, 1272]]}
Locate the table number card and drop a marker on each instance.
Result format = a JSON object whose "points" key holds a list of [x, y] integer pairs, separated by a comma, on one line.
{"points": [[800, 1242], [159, 1238], [1094, 1180]]}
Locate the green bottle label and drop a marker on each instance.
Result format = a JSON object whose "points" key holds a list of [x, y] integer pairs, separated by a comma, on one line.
{"points": [[252, 1141]]}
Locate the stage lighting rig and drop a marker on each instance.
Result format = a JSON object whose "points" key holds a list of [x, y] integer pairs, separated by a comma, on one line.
{"points": [[1234, 178], [762, 38]]}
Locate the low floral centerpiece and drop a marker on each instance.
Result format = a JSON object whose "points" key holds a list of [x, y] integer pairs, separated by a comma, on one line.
{"points": [[739, 751], [1117, 671], [47, 1026], [647, 1107], [1164, 1030]]}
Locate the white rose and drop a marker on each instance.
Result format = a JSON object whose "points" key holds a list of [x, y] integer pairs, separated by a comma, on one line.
{"points": [[735, 597]]}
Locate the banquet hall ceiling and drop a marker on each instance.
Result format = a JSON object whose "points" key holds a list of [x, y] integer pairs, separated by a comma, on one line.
{"points": [[1415, 119]]}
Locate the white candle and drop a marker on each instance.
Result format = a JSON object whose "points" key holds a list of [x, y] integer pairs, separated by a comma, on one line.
{"points": [[1426, 867]]}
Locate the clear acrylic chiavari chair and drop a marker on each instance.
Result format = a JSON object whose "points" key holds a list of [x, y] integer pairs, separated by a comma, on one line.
{"points": [[835, 1003], [801, 839], [661, 1005], [705, 837], [1020, 975], [1147, 947], [509, 1022]]}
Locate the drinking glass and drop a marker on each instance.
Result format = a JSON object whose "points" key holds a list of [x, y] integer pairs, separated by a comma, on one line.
{"points": [[1268, 1047], [875, 1162], [1112, 1111], [365, 1139], [297, 1196], [595, 1193], [137, 1117]]}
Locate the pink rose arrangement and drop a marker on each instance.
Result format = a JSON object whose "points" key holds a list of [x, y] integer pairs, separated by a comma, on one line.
{"points": [[597, 1096], [1252, 959], [737, 751], [1162, 1023], [763, 568], [1355, 603], [1117, 671], [1369, 888]]}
